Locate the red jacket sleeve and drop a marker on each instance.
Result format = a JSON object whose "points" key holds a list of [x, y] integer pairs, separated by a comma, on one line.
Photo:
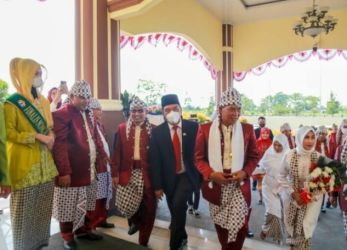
{"points": [[101, 154], [117, 153], [252, 155], [60, 149], [201, 153]]}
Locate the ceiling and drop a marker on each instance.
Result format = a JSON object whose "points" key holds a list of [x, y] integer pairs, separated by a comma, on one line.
{"points": [[245, 11]]}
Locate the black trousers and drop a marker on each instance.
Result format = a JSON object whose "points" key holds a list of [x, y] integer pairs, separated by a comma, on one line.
{"points": [[177, 203], [194, 201]]}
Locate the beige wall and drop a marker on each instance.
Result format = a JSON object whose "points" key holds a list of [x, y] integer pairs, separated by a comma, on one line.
{"points": [[253, 43], [257, 43], [183, 17]]}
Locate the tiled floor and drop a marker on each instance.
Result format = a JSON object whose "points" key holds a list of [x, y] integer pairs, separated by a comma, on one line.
{"points": [[198, 239]]}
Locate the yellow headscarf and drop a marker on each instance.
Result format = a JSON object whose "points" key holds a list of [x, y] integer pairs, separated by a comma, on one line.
{"points": [[22, 71]]}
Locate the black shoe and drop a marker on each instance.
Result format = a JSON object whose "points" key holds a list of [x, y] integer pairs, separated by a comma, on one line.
{"points": [[107, 225], [323, 210], [250, 234], [184, 242], [90, 236], [70, 245], [133, 229]]}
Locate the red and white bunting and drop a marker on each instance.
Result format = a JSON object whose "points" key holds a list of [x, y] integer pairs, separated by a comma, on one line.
{"points": [[168, 39], [322, 54]]}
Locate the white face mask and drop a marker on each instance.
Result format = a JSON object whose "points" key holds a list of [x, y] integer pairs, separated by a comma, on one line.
{"points": [[37, 82], [173, 117], [344, 131]]}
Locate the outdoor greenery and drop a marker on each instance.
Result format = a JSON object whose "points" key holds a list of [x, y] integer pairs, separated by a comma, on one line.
{"points": [[150, 92], [3, 90], [295, 104], [279, 104]]}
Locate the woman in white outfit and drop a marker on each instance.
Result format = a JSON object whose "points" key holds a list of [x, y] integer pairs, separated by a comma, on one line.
{"points": [[270, 165]]}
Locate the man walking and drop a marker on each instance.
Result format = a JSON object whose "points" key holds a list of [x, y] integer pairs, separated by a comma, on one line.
{"points": [[226, 156], [130, 165], [172, 168]]}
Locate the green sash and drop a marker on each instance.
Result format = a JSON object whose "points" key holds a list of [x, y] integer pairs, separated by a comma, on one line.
{"points": [[30, 112]]}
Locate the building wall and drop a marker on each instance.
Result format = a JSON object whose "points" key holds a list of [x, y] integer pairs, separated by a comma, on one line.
{"points": [[183, 17]]}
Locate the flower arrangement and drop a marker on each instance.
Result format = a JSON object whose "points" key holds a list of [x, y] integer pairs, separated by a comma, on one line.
{"points": [[321, 180], [324, 178]]}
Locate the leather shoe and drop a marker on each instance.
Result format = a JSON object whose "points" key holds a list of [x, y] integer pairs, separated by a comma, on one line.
{"points": [[70, 245], [90, 236], [107, 225], [250, 234], [133, 229], [184, 242]]}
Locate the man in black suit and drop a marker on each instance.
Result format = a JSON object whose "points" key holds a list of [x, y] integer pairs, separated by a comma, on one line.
{"points": [[172, 168]]}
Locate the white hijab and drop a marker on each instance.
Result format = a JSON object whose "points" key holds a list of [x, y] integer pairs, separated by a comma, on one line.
{"points": [[299, 140], [271, 156]]}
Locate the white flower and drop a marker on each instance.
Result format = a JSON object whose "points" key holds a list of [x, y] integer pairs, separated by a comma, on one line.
{"points": [[328, 170], [316, 172], [321, 184], [325, 174], [313, 185]]}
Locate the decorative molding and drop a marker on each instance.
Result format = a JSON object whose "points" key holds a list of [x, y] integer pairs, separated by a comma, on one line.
{"points": [[168, 39], [115, 5], [321, 54], [247, 4], [111, 105]]}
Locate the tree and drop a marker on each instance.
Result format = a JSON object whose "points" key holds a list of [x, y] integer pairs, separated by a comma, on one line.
{"points": [[248, 106], [280, 104], [150, 91], [211, 106], [333, 105], [312, 104], [297, 103], [187, 102], [265, 106], [3, 90]]}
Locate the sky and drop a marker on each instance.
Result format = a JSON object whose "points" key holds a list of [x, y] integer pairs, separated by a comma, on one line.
{"points": [[44, 31]]}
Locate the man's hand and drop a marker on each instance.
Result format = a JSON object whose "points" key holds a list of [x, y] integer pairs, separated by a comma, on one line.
{"points": [[239, 176], [220, 178], [64, 181], [296, 196], [5, 191], [115, 181], [159, 194]]}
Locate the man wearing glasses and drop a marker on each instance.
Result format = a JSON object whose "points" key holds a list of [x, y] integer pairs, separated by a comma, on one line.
{"points": [[134, 195]]}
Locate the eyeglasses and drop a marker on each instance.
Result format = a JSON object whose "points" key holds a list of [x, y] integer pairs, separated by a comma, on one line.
{"points": [[137, 110]]}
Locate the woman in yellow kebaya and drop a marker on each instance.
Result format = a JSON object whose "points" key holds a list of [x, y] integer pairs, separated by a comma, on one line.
{"points": [[30, 164]]}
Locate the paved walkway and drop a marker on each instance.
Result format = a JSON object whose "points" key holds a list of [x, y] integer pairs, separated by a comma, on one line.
{"points": [[328, 234]]}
